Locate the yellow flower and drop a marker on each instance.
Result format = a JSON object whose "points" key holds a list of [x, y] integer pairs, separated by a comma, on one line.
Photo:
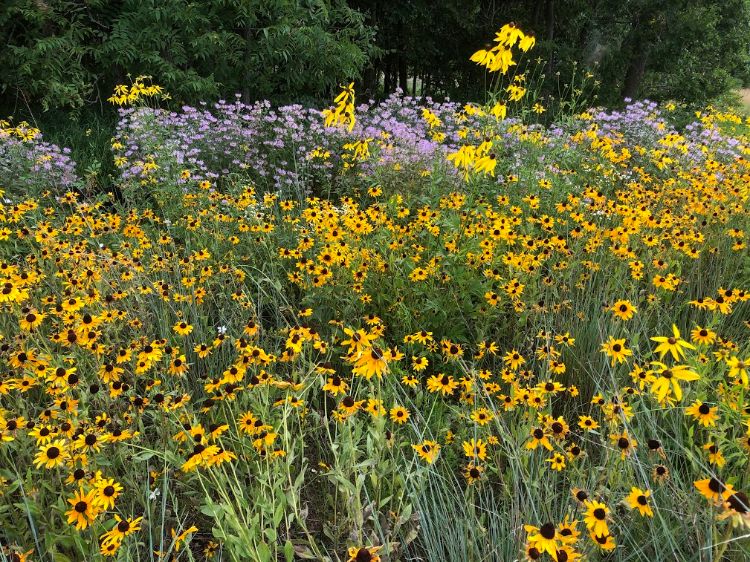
{"points": [[183, 328], [596, 518], [703, 336], [543, 539], [399, 414], [557, 461], [616, 350], [52, 455], [638, 499], [363, 554], [371, 362], [673, 344], [84, 511], [667, 380], [738, 369], [475, 449], [427, 450], [623, 309], [713, 489], [703, 413]]}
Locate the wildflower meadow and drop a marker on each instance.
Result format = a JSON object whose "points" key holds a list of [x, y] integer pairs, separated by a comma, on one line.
{"points": [[380, 330]]}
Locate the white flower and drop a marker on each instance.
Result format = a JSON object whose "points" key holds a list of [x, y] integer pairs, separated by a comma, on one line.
{"points": [[222, 330]]}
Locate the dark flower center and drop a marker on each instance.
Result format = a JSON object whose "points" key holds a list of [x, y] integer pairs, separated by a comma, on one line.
{"points": [[715, 486], [547, 531], [739, 502], [363, 555]]}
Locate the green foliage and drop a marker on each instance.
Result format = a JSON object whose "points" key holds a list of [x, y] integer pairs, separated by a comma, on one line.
{"points": [[68, 54], [62, 54]]}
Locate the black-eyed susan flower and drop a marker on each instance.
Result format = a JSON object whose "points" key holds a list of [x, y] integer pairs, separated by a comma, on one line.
{"points": [[444, 384], [182, 328], [538, 437], [122, 529], [673, 345], [473, 472], [623, 309], [715, 456], [714, 489], [513, 360], [615, 349], [702, 336], [399, 414], [481, 416], [107, 491], [372, 362], [52, 454], [667, 381], [738, 369], [542, 539], [587, 423], [604, 542], [364, 554], [703, 413], [475, 449], [451, 350], [638, 499], [737, 509], [427, 450], [624, 442], [83, 511], [595, 518], [557, 461]]}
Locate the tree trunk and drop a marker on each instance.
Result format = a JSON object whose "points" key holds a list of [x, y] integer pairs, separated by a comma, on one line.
{"points": [[403, 80], [550, 17], [387, 78], [369, 81], [645, 28], [537, 16], [248, 73], [414, 84], [636, 70]]}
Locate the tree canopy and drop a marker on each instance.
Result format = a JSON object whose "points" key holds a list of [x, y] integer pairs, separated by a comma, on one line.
{"points": [[70, 54]]}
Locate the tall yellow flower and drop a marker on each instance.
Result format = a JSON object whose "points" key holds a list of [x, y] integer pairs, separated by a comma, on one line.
{"points": [[673, 344], [667, 380]]}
